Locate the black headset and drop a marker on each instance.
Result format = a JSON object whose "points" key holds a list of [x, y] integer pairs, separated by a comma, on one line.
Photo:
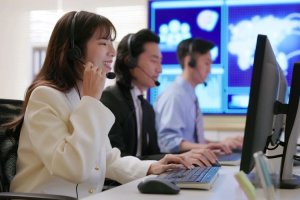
{"points": [[74, 52], [192, 63], [130, 60]]}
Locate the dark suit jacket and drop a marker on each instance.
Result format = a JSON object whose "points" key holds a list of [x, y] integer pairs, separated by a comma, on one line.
{"points": [[123, 134]]}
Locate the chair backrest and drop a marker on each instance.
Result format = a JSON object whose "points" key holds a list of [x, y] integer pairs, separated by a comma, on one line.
{"points": [[9, 109]]}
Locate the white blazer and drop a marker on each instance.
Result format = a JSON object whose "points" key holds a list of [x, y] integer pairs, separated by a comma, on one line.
{"points": [[64, 146]]}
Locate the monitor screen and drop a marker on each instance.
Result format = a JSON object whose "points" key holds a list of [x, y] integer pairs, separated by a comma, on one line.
{"points": [[267, 86], [233, 26]]}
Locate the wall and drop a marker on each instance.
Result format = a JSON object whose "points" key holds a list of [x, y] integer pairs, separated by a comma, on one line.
{"points": [[15, 49]]}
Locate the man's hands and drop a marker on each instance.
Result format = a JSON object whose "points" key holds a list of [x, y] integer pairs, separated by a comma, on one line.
{"points": [[200, 157], [234, 142], [168, 162]]}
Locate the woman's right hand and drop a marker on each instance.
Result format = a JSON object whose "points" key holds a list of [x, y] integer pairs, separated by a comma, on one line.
{"points": [[93, 80]]}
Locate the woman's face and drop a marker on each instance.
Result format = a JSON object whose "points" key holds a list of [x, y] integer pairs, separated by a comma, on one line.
{"points": [[100, 51]]}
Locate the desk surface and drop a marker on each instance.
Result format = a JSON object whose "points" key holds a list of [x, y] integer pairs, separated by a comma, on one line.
{"points": [[225, 187]]}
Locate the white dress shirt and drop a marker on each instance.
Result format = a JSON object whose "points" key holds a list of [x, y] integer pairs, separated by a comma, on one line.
{"points": [[135, 92]]}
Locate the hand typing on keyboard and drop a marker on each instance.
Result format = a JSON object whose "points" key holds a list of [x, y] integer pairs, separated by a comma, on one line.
{"points": [[200, 157], [218, 147], [168, 162], [234, 142]]}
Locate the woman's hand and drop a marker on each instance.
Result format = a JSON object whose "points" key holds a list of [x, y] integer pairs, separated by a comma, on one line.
{"points": [[93, 80], [168, 162], [200, 157]]}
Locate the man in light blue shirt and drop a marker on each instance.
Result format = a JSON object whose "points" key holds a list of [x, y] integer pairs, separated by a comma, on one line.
{"points": [[179, 120]]}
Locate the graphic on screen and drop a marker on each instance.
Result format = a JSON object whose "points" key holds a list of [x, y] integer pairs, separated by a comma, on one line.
{"points": [[209, 95], [233, 26], [176, 24], [279, 22]]}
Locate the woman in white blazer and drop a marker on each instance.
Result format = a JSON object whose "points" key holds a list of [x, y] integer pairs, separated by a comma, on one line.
{"points": [[64, 147]]}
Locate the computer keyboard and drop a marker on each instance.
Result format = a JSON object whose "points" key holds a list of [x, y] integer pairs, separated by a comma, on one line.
{"points": [[230, 159], [197, 178]]}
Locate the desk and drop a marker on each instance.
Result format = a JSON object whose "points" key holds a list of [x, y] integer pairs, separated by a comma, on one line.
{"points": [[225, 187]]}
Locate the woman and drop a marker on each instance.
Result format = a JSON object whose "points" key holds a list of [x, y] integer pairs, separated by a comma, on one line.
{"points": [[64, 147]]}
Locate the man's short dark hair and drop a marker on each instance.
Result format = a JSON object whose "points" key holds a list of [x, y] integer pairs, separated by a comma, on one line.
{"points": [[191, 46], [131, 49]]}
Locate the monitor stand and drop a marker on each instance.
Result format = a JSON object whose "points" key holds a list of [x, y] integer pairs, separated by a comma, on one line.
{"points": [[292, 183], [288, 179], [254, 179]]}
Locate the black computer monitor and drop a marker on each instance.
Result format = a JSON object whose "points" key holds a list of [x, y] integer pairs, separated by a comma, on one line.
{"points": [[267, 110], [268, 85], [291, 134]]}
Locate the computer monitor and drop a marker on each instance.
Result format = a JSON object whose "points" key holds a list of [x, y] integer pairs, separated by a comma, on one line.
{"points": [[265, 90], [292, 129], [266, 110]]}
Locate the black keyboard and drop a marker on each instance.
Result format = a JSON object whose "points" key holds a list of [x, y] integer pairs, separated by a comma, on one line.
{"points": [[198, 177]]}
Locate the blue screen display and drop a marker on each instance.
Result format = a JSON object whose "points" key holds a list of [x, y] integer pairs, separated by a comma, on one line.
{"points": [[233, 26]]}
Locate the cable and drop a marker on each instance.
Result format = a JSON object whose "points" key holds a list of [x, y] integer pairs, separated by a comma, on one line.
{"points": [[296, 157], [275, 156], [76, 191]]}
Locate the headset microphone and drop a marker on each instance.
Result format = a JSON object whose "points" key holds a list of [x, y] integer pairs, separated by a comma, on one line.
{"points": [[205, 83], [156, 82], [109, 75], [75, 53]]}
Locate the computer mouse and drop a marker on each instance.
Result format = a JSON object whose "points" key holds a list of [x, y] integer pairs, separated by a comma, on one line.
{"points": [[158, 186]]}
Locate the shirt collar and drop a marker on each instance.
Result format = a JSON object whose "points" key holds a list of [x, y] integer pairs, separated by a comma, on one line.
{"points": [[187, 87], [135, 92]]}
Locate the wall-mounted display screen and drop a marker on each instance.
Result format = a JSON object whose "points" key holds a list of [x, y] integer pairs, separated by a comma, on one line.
{"points": [[233, 26]]}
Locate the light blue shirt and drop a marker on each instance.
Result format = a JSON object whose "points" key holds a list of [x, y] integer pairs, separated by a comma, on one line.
{"points": [[176, 116]]}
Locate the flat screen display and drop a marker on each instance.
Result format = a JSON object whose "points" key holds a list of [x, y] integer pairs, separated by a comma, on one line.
{"points": [[233, 26]]}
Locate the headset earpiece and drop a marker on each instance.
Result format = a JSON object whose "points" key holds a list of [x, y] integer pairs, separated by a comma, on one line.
{"points": [[74, 52], [192, 63], [130, 60]]}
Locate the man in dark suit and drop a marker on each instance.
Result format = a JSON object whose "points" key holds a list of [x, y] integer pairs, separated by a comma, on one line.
{"points": [[137, 67]]}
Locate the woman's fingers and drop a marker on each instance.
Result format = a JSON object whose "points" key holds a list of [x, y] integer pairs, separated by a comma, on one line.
{"points": [[93, 80]]}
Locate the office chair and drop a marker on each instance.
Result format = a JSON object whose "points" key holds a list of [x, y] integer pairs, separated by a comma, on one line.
{"points": [[9, 109]]}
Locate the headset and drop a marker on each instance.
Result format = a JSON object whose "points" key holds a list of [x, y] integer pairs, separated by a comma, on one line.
{"points": [[74, 52], [131, 60], [192, 63]]}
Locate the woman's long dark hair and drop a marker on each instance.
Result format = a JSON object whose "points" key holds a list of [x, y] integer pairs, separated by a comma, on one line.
{"points": [[59, 71]]}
